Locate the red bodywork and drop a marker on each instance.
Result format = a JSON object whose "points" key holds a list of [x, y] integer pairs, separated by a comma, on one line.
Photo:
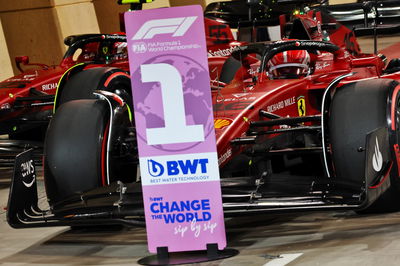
{"points": [[26, 99], [239, 102]]}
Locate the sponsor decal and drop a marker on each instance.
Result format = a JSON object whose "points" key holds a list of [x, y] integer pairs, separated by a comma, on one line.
{"points": [[225, 156], [281, 104], [179, 168], [114, 37], [221, 123], [253, 70], [180, 211], [240, 95], [26, 78], [51, 86], [377, 158], [251, 98], [301, 106], [221, 52], [27, 169], [5, 106], [322, 65], [155, 169], [30, 76]]}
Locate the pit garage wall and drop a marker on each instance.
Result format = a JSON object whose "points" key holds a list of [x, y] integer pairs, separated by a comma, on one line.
{"points": [[37, 28], [5, 63]]}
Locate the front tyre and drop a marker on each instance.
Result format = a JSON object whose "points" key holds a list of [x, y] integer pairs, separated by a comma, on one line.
{"points": [[74, 149], [357, 109]]}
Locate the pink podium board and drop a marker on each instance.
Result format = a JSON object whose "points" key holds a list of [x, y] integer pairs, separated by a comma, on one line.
{"points": [[175, 129]]}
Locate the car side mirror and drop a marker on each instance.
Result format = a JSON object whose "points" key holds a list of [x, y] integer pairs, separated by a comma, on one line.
{"points": [[22, 59]]}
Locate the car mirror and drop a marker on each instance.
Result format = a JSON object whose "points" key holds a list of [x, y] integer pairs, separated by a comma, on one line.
{"points": [[22, 59]]}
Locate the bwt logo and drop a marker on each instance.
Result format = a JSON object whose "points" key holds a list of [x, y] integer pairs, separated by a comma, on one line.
{"points": [[177, 26], [177, 167]]}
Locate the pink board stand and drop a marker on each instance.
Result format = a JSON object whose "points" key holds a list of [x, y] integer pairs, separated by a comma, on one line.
{"points": [[176, 138]]}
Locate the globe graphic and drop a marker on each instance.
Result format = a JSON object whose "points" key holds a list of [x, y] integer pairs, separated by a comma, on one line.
{"points": [[148, 103]]}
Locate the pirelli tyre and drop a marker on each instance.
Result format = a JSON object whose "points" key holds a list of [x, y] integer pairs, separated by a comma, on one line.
{"points": [[74, 149], [357, 110], [81, 85]]}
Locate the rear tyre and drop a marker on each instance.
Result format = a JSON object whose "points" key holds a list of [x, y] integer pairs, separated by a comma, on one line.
{"points": [[74, 147], [82, 85], [356, 110]]}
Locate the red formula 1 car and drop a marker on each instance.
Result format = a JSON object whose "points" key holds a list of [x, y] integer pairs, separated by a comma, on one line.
{"points": [[305, 123], [26, 100]]}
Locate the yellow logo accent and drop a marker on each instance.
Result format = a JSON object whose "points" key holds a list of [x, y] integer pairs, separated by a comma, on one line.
{"points": [[301, 106], [221, 123], [105, 50]]}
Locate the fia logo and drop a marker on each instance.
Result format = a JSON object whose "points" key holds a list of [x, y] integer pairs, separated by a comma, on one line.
{"points": [[139, 48]]}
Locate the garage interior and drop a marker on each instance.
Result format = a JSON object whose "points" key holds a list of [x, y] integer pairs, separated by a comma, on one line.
{"points": [[37, 28]]}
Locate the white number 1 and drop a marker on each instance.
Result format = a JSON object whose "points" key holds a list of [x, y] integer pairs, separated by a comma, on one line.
{"points": [[175, 130]]}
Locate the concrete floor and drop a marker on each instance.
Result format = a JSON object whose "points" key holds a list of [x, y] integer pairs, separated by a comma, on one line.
{"points": [[320, 238]]}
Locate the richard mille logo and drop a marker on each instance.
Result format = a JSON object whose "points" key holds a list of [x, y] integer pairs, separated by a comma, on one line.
{"points": [[377, 159]]}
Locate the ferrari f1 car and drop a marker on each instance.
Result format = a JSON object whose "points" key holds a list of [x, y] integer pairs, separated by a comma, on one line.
{"points": [[301, 124], [26, 100]]}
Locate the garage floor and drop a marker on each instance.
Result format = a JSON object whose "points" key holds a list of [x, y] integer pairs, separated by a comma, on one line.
{"points": [[324, 238], [321, 238]]}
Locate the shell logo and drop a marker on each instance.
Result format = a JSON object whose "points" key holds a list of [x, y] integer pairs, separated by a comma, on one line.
{"points": [[221, 123]]}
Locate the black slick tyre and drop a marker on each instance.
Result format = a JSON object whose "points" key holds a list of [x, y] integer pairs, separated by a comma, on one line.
{"points": [[74, 149], [82, 85], [356, 110]]}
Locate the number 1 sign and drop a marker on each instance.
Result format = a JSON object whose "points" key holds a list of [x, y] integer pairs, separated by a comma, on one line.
{"points": [[175, 129]]}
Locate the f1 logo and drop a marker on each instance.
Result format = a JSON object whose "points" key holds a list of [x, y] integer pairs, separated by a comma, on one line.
{"points": [[176, 26]]}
